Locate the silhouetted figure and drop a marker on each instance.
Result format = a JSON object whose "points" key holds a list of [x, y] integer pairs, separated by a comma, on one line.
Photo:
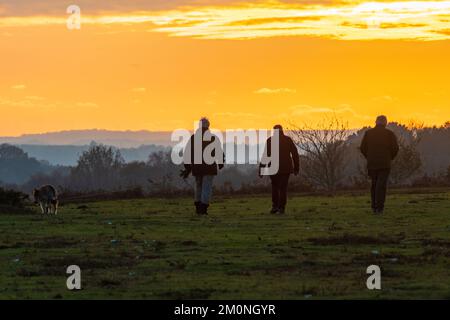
{"points": [[288, 164], [201, 168], [379, 146]]}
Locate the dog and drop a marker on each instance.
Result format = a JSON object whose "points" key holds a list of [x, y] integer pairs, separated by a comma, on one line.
{"points": [[47, 198]]}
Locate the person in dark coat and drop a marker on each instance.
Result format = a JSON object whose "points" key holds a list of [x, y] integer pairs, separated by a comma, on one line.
{"points": [[288, 164], [204, 170], [379, 146]]}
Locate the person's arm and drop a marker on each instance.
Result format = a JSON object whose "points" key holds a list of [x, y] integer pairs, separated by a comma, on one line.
{"points": [[220, 153], [363, 147], [394, 146], [295, 157], [221, 165], [187, 159], [264, 160]]}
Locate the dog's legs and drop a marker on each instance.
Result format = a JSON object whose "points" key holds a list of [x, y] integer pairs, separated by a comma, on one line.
{"points": [[54, 209], [42, 207]]}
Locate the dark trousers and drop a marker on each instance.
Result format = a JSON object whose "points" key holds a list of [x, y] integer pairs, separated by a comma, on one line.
{"points": [[279, 190], [380, 179]]}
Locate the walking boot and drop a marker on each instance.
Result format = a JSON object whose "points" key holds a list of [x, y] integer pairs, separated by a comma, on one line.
{"points": [[197, 207], [204, 208]]}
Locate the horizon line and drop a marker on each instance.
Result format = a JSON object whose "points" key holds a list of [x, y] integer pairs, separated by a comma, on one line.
{"points": [[444, 123]]}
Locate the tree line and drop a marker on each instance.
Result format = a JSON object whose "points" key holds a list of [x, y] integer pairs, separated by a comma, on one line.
{"points": [[329, 161]]}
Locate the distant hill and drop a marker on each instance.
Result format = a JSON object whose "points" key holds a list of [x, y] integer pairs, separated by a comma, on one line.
{"points": [[16, 166], [67, 155], [120, 139]]}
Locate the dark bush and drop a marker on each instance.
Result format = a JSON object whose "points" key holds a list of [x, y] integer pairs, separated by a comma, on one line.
{"points": [[12, 198]]}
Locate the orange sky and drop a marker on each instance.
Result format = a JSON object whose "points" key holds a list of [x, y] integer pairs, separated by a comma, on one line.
{"points": [[243, 66]]}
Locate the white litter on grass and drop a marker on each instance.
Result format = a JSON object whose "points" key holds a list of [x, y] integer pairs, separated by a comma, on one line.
{"points": [[375, 252], [393, 260]]}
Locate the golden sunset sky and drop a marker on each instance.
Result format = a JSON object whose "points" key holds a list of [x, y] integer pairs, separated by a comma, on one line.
{"points": [[160, 65]]}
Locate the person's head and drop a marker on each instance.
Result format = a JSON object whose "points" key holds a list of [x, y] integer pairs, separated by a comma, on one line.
{"points": [[278, 127], [381, 121], [204, 123]]}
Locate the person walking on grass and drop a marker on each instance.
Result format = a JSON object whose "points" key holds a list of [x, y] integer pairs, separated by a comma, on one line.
{"points": [[203, 164], [288, 163], [379, 146]]}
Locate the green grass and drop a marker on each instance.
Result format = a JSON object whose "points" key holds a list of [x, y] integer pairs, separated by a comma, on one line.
{"points": [[158, 249]]}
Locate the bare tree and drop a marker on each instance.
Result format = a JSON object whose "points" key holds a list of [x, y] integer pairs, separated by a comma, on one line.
{"points": [[164, 177], [322, 152], [97, 168], [408, 162]]}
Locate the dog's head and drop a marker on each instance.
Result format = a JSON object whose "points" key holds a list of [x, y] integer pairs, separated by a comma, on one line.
{"points": [[36, 196]]}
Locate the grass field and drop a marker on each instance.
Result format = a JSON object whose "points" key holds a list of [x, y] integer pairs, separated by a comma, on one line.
{"points": [[158, 249]]}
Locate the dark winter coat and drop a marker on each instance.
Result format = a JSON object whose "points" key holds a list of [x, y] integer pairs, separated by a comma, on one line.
{"points": [[203, 168], [288, 157], [379, 146]]}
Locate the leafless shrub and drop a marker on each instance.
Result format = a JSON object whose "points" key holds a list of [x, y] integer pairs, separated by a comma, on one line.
{"points": [[408, 162], [323, 152]]}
